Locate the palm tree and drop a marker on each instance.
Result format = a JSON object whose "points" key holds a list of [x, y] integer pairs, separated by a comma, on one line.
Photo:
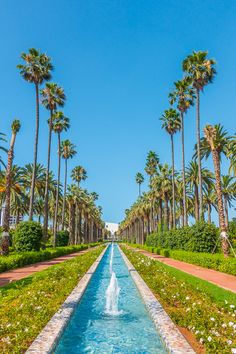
{"points": [[152, 162], [15, 127], [60, 124], [209, 200], [171, 123], [52, 97], [2, 148], [201, 70], [36, 70], [216, 142], [78, 174], [192, 178], [229, 194], [139, 180], [184, 96], [67, 152]]}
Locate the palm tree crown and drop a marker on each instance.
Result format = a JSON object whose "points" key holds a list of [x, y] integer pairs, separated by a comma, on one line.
{"points": [[171, 121]]}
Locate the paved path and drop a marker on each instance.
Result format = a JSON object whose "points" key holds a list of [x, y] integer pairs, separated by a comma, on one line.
{"points": [[223, 280], [20, 273]]}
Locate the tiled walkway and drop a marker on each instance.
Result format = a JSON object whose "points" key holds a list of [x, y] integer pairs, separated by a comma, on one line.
{"points": [[222, 280], [20, 273]]}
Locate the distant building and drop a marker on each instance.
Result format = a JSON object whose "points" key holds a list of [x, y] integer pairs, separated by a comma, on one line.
{"points": [[112, 228], [13, 218]]}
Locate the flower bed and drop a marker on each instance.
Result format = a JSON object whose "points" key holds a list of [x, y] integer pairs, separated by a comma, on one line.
{"points": [[213, 261], [27, 305], [18, 260], [204, 309]]}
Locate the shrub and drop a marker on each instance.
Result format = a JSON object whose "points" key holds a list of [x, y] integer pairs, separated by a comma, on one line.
{"points": [[62, 238], [28, 236], [158, 251], [166, 253], [201, 237]]}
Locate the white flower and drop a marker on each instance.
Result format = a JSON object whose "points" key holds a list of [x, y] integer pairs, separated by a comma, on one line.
{"points": [[232, 306], [224, 325], [229, 342], [201, 340], [233, 350], [231, 324], [209, 339], [212, 319], [187, 297]]}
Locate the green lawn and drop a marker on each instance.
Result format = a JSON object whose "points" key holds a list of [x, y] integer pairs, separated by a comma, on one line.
{"points": [[208, 311], [27, 305]]}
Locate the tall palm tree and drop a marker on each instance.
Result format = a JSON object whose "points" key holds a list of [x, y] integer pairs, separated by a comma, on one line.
{"points": [[229, 194], [67, 152], [152, 162], [52, 97], [60, 124], [139, 180], [183, 95], [192, 178], [79, 174], [15, 127], [216, 142], [36, 70], [202, 71], [2, 148], [171, 123]]}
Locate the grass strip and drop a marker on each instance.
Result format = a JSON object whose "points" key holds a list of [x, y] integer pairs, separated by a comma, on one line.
{"points": [[206, 310], [27, 305]]}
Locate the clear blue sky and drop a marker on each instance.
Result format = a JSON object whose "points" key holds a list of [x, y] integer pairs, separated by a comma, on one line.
{"points": [[117, 60]]}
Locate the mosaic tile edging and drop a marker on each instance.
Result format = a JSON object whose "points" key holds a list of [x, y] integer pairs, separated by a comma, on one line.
{"points": [[173, 340], [47, 339]]}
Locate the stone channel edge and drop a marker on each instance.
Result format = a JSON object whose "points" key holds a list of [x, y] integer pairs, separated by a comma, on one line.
{"points": [[48, 338], [174, 341]]}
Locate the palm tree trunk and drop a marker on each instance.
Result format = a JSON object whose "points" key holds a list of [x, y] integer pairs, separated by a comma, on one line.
{"points": [[166, 216], [183, 169], [64, 196], [223, 229], [226, 212], [31, 205], [196, 202], [139, 189], [160, 216], [209, 213], [6, 216], [45, 222], [72, 223], [199, 153], [173, 181], [57, 194]]}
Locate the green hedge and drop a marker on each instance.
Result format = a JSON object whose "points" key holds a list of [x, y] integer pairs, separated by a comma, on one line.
{"points": [[201, 237], [18, 260], [28, 236]]}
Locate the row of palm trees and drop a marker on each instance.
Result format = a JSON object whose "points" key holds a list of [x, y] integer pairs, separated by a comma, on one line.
{"points": [[196, 189], [34, 186]]}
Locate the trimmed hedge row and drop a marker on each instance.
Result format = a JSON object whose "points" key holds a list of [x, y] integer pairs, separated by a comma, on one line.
{"points": [[201, 237], [206, 260], [18, 260]]}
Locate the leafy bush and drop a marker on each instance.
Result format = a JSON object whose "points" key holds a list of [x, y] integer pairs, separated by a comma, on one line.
{"points": [[201, 307], [28, 236], [62, 238], [18, 260], [166, 253], [201, 237]]}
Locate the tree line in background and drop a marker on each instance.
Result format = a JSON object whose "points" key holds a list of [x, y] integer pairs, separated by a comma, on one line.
{"points": [[33, 189], [175, 196]]}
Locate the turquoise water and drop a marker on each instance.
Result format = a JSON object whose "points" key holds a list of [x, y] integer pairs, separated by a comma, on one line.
{"points": [[92, 331]]}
